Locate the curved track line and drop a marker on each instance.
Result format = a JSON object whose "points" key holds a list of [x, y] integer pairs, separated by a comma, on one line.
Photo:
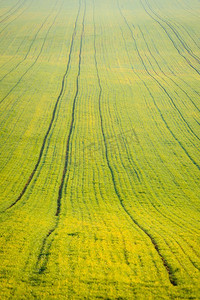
{"points": [[16, 17], [12, 57], [161, 115], [151, 203], [156, 208], [72, 120], [30, 47], [178, 25], [23, 75], [165, 263], [168, 95], [164, 72], [60, 191], [175, 46], [13, 7], [183, 43], [52, 118], [9, 16]]}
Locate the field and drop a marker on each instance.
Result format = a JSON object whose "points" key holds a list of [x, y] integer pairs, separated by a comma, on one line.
{"points": [[100, 149]]}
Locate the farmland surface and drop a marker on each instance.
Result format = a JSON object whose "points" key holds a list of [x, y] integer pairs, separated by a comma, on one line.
{"points": [[100, 149]]}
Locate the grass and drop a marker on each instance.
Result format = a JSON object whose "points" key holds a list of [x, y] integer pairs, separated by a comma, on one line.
{"points": [[99, 166]]}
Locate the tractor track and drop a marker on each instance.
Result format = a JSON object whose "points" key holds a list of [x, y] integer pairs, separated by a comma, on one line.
{"points": [[52, 118], [13, 7], [16, 18], [173, 277], [42, 266], [188, 33], [17, 50], [118, 194], [172, 220], [72, 120], [30, 46], [164, 90], [186, 83], [167, 266], [171, 100], [188, 9], [174, 44], [158, 210], [183, 43], [125, 252], [32, 65], [165, 73], [18, 8]]}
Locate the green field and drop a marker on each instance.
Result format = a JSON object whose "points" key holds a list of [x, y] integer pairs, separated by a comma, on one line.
{"points": [[100, 149]]}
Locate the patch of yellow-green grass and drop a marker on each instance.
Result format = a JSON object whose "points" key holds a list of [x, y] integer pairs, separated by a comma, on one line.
{"points": [[99, 142]]}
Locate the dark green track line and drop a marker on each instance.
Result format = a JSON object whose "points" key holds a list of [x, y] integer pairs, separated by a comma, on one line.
{"points": [[183, 43], [52, 118], [9, 16], [12, 57], [118, 194], [13, 7], [167, 266], [31, 45], [72, 120], [190, 130], [175, 46], [172, 277], [165, 73], [162, 88], [31, 66], [188, 33], [60, 191], [156, 208], [16, 18]]}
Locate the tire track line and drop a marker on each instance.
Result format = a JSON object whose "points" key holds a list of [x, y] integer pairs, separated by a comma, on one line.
{"points": [[187, 255], [130, 182], [18, 8], [72, 120], [188, 33], [177, 243], [16, 17], [32, 65], [171, 100], [173, 280], [183, 43], [125, 252], [153, 242], [53, 114], [60, 191], [175, 46], [123, 134], [165, 73], [30, 47], [13, 7], [17, 50], [171, 71], [136, 74], [187, 9], [158, 210], [162, 88]]}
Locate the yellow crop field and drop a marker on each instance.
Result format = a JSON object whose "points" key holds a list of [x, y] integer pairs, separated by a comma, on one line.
{"points": [[100, 149]]}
